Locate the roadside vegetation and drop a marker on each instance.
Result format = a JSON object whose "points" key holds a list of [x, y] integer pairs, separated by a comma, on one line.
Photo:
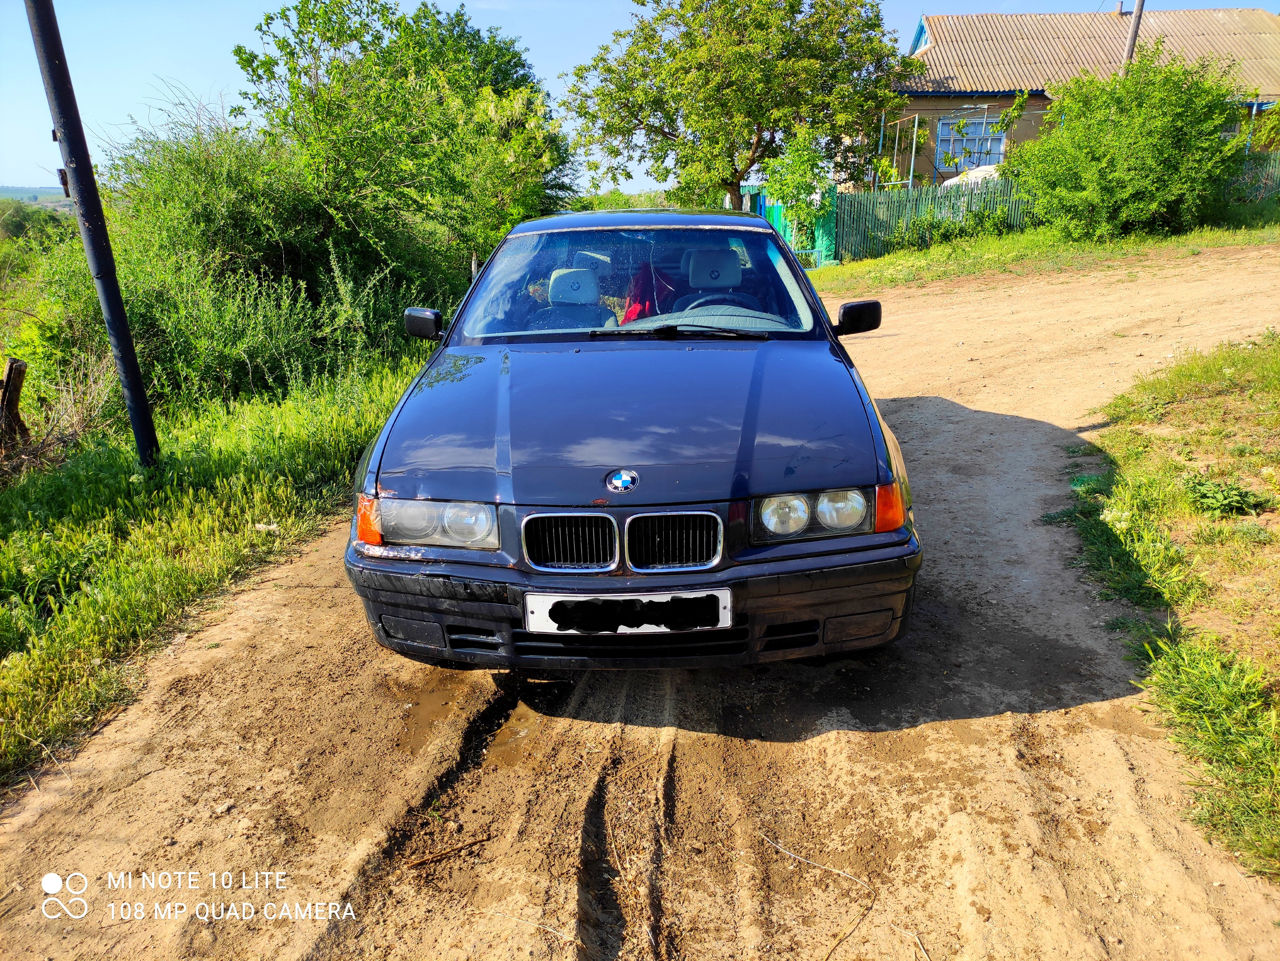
{"points": [[1044, 250], [97, 556], [265, 267], [1104, 165], [1183, 519]]}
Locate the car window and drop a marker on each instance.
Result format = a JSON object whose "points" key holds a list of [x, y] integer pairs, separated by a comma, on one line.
{"points": [[573, 282]]}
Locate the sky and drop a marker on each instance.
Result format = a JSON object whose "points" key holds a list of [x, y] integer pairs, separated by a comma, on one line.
{"points": [[125, 55]]}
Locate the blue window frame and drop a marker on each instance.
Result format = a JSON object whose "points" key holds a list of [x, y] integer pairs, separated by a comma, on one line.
{"points": [[975, 144]]}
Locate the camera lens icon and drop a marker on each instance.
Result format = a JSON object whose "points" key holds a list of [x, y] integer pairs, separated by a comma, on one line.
{"points": [[74, 907]]}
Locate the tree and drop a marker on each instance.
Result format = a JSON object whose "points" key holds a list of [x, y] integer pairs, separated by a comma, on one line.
{"points": [[408, 117], [799, 179], [707, 91], [1147, 150]]}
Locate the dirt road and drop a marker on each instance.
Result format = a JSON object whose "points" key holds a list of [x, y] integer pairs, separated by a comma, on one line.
{"points": [[990, 788]]}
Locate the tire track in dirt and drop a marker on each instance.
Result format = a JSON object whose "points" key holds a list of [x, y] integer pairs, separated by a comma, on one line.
{"points": [[548, 861]]}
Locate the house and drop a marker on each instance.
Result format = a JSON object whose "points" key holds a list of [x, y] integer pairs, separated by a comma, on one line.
{"points": [[977, 63]]}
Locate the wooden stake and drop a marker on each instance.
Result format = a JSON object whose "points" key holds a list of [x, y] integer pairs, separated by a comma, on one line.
{"points": [[11, 426]]}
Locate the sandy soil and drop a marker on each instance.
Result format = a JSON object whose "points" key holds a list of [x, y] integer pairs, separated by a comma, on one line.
{"points": [[990, 788]]}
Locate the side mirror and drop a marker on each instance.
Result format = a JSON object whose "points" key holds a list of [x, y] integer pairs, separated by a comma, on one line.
{"points": [[422, 322], [858, 316]]}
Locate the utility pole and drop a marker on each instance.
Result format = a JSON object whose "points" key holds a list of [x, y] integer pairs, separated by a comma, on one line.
{"points": [[83, 190], [1133, 33]]}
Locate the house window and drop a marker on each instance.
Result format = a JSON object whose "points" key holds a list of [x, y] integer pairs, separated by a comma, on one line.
{"points": [[967, 142]]}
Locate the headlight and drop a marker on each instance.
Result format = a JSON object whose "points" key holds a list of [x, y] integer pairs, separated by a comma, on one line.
{"points": [[785, 514], [842, 510], [409, 522], [430, 523], [820, 514], [471, 524]]}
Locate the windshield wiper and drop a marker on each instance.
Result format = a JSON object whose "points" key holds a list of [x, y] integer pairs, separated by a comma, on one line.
{"points": [[678, 330]]}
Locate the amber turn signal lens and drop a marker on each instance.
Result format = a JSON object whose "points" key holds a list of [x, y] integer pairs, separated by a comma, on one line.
{"points": [[368, 520], [891, 513]]}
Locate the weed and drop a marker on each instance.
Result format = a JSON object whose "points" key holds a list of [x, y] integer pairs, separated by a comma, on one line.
{"points": [[1223, 498], [1221, 710], [1081, 450], [1060, 518]]}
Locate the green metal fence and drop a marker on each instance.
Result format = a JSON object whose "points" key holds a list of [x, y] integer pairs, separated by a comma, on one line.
{"points": [[866, 223], [1259, 180], [824, 231]]}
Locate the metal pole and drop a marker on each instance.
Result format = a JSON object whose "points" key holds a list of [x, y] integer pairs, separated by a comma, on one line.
{"points": [[875, 174], [83, 189], [915, 132], [1133, 33]]}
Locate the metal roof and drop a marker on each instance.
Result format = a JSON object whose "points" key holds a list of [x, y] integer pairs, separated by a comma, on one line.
{"points": [[658, 217], [1007, 52]]}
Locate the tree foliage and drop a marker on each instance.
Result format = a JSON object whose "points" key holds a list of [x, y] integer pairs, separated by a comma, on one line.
{"points": [[387, 149], [236, 277], [1266, 130], [1147, 150], [800, 180], [18, 219], [414, 116], [706, 92]]}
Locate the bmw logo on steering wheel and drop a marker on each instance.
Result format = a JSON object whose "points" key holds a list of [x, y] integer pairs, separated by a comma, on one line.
{"points": [[622, 481]]}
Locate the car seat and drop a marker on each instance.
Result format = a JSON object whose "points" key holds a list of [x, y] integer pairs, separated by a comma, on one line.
{"points": [[574, 297], [711, 272]]}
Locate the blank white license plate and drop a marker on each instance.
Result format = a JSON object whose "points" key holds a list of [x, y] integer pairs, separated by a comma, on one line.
{"points": [[656, 613]]}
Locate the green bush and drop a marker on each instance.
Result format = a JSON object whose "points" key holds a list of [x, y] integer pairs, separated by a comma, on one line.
{"points": [[1266, 129], [236, 277], [615, 199], [1146, 151], [19, 220], [921, 233]]}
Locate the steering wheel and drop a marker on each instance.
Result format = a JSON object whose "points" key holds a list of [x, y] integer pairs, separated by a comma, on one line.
{"points": [[725, 297]]}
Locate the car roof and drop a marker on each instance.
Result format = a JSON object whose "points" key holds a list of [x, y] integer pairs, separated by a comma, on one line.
{"points": [[657, 217]]}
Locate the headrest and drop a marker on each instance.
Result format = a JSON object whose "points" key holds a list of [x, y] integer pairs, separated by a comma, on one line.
{"points": [[573, 286], [592, 258], [714, 268], [688, 255]]}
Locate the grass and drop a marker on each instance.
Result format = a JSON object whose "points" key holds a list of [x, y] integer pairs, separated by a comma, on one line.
{"points": [[1180, 518], [1042, 250], [98, 558]]}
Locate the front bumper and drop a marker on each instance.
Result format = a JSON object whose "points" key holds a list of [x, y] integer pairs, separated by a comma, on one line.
{"points": [[800, 607]]}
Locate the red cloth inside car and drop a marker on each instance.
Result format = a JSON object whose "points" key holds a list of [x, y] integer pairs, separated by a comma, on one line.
{"points": [[650, 292]]}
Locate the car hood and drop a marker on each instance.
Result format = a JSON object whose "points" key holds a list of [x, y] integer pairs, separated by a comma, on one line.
{"points": [[543, 424]]}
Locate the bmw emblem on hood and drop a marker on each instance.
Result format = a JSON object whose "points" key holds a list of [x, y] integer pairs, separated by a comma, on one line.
{"points": [[621, 481]]}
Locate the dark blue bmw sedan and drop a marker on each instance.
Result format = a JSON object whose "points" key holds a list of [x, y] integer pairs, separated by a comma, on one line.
{"points": [[639, 443]]}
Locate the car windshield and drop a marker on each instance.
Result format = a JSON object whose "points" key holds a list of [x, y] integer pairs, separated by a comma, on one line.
{"points": [[637, 281]]}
